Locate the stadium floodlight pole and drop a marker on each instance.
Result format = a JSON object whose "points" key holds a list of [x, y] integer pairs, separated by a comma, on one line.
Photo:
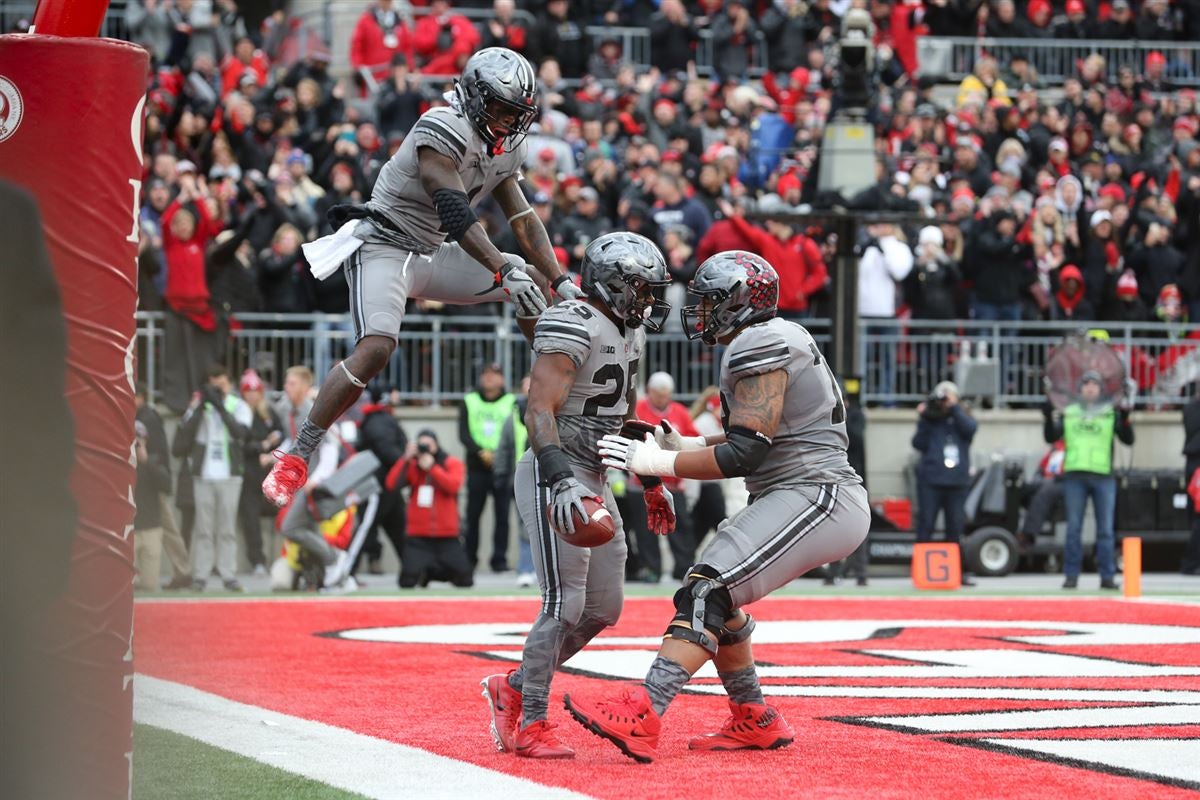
{"points": [[69, 17]]}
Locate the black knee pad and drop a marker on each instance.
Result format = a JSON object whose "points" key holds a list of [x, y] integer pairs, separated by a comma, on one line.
{"points": [[700, 604]]}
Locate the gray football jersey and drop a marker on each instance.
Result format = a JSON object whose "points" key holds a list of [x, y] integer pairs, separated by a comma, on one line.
{"points": [[398, 194], [606, 362], [810, 444]]}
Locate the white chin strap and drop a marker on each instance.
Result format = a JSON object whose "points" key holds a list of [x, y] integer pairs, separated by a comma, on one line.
{"points": [[350, 377]]}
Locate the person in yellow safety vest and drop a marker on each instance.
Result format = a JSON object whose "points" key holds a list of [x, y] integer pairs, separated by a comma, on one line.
{"points": [[1087, 428], [481, 419], [513, 442]]}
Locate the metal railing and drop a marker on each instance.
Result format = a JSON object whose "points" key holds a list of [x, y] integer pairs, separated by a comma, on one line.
{"points": [[635, 42], [1003, 361], [954, 57], [706, 63], [439, 357]]}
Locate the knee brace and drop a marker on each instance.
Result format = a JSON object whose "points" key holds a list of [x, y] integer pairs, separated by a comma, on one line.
{"points": [[701, 605], [729, 637]]}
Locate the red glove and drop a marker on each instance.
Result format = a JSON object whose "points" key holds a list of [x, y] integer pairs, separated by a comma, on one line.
{"points": [[660, 510]]}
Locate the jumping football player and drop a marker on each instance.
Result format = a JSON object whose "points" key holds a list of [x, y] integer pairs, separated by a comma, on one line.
{"points": [[425, 195], [785, 433], [582, 387]]}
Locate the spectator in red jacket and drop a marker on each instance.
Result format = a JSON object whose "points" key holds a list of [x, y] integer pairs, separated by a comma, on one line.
{"points": [[380, 34], [796, 258], [787, 98], [187, 229], [444, 40], [654, 408], [432, 551], [244, 59], [722, 235], [504, 30]]}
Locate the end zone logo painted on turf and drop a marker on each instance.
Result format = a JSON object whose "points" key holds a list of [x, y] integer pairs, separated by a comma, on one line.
{"points": [[1080, 699], [12, 108]]}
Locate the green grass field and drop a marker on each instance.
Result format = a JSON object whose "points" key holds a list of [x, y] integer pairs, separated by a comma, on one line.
{"points": [[167, 766]]}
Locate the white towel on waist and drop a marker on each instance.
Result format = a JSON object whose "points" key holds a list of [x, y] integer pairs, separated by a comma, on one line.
{"points": [[326, 254]]}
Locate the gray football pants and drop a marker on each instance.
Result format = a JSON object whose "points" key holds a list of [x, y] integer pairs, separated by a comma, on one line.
{"points": [[383, 277], [582, 588], [785, 533]]}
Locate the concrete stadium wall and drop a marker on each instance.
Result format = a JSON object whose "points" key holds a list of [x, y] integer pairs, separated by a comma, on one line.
{"points": [[1157, 444]]}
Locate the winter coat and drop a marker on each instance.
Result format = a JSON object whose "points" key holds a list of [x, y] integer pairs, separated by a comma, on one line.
{"points": [[439, 517], [938, 434]]}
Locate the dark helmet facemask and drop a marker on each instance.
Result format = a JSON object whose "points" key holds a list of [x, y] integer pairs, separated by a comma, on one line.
{"points": [[647, 303], [504, 138]]}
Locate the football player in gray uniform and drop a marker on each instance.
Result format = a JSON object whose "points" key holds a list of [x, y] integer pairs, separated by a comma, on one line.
{"points": [[785, 433], [419, 236], [582, 388]]}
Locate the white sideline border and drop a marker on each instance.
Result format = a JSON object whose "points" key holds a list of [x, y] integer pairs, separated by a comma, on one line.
{"points": [[341, 758]]}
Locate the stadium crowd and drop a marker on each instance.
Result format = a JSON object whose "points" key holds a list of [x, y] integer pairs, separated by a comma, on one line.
{"points": [[1084, 207], [1079, 203]]}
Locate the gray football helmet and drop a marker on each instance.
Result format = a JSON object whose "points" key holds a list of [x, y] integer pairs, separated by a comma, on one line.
{"points": [[733, 289], [498, 93], [628, 273]]}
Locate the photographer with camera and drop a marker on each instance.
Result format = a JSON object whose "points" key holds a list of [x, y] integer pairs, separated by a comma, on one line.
{"points": [[213, 434], [943, 437], [432, 550]]}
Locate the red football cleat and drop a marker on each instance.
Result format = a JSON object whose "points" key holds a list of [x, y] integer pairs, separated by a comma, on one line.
{"points": [[749, 727], [628, 721], [505, 704], [537, 740], [287, 477]]}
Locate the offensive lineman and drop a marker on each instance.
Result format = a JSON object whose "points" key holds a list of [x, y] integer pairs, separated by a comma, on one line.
{"points": [[785, 432], [582, 387], [424, 196]]}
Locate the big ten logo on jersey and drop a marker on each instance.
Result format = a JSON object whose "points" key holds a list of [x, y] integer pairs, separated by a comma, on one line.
{"points": [[608, 349]]}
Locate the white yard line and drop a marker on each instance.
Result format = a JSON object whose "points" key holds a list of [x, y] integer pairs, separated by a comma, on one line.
{"points": [[341, 758]]}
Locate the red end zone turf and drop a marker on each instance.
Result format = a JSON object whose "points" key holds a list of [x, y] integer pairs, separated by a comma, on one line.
{"points": [[889, 697]]}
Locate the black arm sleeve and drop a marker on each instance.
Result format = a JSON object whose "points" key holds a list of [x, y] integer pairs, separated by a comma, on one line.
{"points": [[742, 452], [1124, 429]]}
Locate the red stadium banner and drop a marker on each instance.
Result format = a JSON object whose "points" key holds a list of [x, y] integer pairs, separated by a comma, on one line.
{"points": [[71, 119]]}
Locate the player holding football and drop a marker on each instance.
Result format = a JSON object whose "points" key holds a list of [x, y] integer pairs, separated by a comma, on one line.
{"points": [[582, 387], [418, 236], [785, 433]]}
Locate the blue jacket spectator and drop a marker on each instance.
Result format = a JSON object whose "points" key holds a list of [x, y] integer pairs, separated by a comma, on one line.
{"points": [[943, 437]]}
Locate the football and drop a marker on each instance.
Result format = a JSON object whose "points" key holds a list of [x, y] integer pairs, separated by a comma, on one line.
{"points": [[597, 530]]}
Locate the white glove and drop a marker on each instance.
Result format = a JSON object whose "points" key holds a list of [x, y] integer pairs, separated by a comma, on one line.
{"points": [[668, 438], [564, 286], [640, 458], [522, 292]]}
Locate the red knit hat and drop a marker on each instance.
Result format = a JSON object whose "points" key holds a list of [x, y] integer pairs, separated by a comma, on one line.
{"points": [[1127, 286], [250, 382]]}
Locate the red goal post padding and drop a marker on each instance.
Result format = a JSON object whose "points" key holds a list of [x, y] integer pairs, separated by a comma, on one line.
{"points": [[71, 121]]}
